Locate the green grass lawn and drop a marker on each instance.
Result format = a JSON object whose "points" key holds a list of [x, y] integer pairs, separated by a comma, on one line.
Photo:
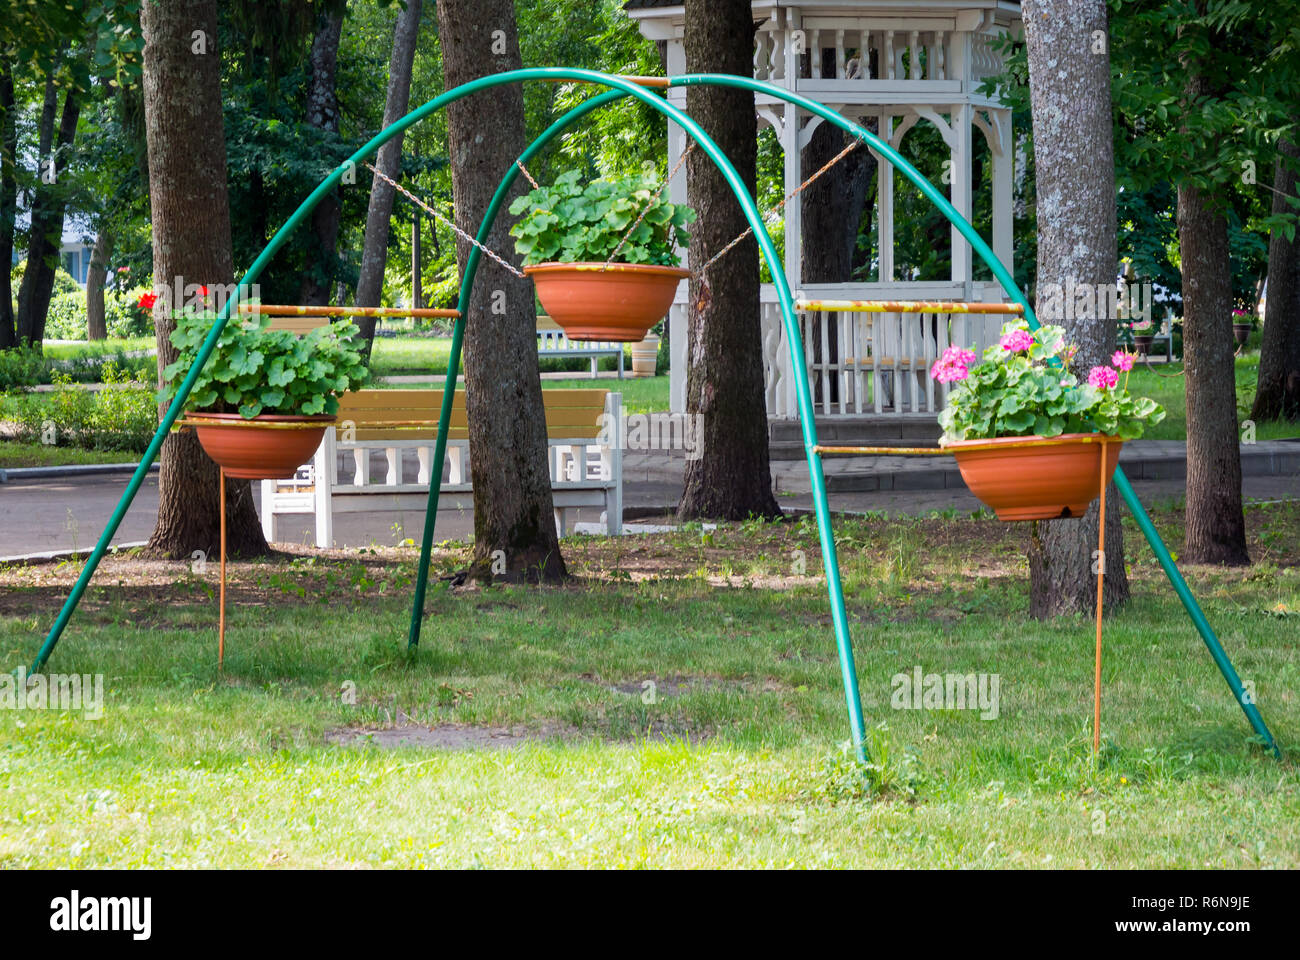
{"points": [[97, 348], [687, 704], [14, 454], [1165, 384]]}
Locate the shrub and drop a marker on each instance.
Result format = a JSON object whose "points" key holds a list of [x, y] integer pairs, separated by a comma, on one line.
{"points": [[115, 418], [122, 316], [21, 368]]}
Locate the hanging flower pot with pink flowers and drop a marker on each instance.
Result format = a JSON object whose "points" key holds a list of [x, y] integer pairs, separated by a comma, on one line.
{"points": [[1030, 439]]}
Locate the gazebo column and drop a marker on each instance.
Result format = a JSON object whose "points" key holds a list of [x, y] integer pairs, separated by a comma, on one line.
{"points": [[1003, 183], [960, 173], [885, 203]]}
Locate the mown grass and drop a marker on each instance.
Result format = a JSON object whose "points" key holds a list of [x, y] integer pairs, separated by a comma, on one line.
{"points": [[729, 759]]}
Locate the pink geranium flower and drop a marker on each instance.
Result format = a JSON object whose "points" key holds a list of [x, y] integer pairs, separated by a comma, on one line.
{"points": [[1018, 341], [1103, 378], [1122, 361], [953, 365]]}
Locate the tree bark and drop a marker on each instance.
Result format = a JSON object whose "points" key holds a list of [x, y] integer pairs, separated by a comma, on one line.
{"points": [[831, 218], [513, 506], [45, 240], [732, 479], [1077, 244], [8, 202], [1216, 526], [374, 253], [1277, 394], [191, 245], [96, 273], [323, 114]]}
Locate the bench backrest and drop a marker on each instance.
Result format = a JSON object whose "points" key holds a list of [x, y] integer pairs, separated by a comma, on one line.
{"points": [[570, 414]]}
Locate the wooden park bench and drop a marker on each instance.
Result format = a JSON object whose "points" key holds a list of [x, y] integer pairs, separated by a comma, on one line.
{"points": [[584, 472]]}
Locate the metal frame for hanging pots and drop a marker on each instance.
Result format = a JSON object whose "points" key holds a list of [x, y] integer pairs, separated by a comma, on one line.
{"points": [[1036, 478], [270, 446], [618, 302]]}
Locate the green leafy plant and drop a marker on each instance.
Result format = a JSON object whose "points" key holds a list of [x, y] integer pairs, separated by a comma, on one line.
{"points": [[1023, 387], [569, 223], [257, 370]]}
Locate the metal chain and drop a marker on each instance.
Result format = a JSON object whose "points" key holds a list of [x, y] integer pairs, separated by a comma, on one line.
{"points": [[438, 216], [793, 193], [524, 171], [646, 209]]}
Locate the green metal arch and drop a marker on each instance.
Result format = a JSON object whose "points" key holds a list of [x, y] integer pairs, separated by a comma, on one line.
{"points": [[623, 87]]}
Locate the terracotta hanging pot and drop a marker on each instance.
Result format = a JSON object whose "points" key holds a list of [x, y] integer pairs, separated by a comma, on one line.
{"points": [[591, 302], [267, 447], [1143, 344], [1036, 478], [1241, 332]]}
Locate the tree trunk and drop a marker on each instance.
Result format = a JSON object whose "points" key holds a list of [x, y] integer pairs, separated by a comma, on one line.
{"points": [[191, 245], [96, 273], [832, 211], [732, 479], [513, 507], [323, 114], [1216, 526], [374, 253], [46, 236], [1070, 94], [1278, 392], [8, 202]]}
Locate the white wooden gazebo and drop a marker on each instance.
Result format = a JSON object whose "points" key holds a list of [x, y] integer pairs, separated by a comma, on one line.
{"points": [[898, 63]]}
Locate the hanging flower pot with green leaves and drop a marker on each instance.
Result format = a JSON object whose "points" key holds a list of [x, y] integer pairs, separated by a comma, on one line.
{"points": [[1031, 440], [603, 257], [265, 397]]}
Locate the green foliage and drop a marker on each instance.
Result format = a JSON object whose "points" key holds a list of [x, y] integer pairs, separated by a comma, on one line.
{"points": [[572, 224], [66, 319], [121, 416], [20, 368], [257, 370], [1022, 393]]}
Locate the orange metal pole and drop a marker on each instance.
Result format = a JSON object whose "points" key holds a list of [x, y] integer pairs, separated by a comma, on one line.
{"points": [[1101, 575], [221, 620], [907, 306]]}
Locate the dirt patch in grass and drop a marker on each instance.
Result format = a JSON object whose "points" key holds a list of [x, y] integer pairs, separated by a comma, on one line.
{"points": [[448, 736]]}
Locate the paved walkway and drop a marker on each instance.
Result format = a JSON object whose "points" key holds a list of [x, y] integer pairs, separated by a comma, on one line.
{"points": [[65, 514]]}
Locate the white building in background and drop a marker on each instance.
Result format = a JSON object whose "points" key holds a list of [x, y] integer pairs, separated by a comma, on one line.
{"points": [[902, 64]]}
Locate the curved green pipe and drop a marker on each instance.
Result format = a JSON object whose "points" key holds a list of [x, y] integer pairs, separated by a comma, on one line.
{"points": [[785, 299]]}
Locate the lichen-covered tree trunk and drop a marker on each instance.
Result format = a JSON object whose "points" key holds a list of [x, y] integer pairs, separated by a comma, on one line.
{"points": [[190, 215], [374, 253], [513, 509], [732, 478], [323, 114], [1278, 391], [1069, 83]]}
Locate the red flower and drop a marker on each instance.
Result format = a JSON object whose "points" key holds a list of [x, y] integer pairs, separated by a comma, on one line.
{"points": [[203, 290], [146, 301]]}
